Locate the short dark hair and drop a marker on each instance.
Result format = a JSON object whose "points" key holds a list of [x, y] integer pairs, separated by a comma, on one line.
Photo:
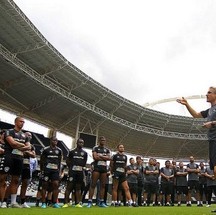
{"points": [[119, 145], [79, 139], [101, 138], [138, 157]]}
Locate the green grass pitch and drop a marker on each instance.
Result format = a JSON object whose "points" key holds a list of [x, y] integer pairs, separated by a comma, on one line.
{"points": [[194, 210]]}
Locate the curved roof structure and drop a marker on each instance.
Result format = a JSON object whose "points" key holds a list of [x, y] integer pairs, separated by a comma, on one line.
{"points": [[162, 101], [39, 83]]}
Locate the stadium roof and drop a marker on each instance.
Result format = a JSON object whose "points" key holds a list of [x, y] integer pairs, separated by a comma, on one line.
{"points": [[39, 83]]}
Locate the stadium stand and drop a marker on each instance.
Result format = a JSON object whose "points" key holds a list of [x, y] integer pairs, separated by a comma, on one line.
{"points": [[41, 84]]}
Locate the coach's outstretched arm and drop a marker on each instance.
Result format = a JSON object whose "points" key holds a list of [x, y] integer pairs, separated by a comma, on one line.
{"points": [[184, 102]]}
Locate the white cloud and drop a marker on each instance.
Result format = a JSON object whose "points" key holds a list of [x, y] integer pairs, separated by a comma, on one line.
{"points": [[143, 50]]}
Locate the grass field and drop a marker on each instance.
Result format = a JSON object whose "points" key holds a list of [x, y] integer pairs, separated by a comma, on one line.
{"points": [[194, 210]]}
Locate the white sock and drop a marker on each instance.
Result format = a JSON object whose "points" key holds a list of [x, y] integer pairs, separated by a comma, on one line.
{"points": [[13, 198]]}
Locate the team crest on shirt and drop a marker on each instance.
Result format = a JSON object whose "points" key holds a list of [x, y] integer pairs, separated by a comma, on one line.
{"points": [[6, 169], [57, 152], [82, 153], [70, 179], [46, 178], [23, 136]]}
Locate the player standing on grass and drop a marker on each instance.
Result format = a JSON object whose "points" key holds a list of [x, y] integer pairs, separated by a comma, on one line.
{"points": [[118, 166], [76, 161], [50, 166], [101, 155], [15, 143]]}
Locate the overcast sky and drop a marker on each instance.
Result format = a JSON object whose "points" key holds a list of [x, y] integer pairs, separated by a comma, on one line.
{"points": [[144, 50]]}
